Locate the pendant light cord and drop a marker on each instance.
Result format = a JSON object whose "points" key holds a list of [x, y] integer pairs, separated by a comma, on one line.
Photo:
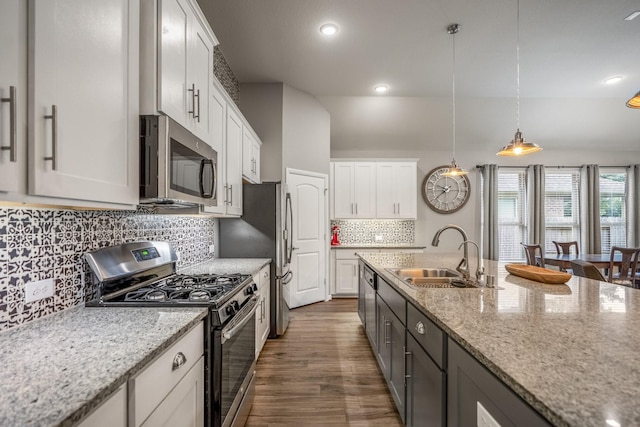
{"points": [[453, 95], [518, 65]]}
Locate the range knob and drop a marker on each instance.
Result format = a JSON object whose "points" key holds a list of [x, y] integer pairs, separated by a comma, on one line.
{"points": [[250, 290], [231, 309], [236, 306]]}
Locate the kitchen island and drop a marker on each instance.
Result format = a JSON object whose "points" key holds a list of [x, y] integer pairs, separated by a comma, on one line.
{"points": [[569, 351]]}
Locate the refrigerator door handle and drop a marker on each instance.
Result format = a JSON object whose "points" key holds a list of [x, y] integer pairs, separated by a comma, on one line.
{"points": [[288, 227], [286, 278]]}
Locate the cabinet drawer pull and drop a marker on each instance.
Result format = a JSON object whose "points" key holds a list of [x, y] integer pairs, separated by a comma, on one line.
{"points": [[179, 360], [197, 95], [420, 328], [54, 137], [387, 339], [193, 100], [13, 130]]}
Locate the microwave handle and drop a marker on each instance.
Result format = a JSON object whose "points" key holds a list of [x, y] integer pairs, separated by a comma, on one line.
{"points": [[210, 191]]}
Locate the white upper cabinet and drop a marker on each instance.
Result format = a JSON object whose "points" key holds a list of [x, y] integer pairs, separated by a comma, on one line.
{"points": [[218, 119], [177, 64], [369, 190], [83, 108], [13, 92], [250, 156], [232, 197], [353, 188], [397, 188]]}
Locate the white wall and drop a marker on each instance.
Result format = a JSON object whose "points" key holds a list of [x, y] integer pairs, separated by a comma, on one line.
{"points": [[306, 132], [261, 104], [468, 217], [293, 126]]}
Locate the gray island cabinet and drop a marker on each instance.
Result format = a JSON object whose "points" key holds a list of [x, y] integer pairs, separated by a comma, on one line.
{"points": [[520, 354]]}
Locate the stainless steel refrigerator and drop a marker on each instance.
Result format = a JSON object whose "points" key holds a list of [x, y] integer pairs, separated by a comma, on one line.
{"points": [[263, 231]]}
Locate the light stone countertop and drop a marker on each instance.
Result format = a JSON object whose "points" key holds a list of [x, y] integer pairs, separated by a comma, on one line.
{"points": [[227, 266], [56, 370], [572, 351]]}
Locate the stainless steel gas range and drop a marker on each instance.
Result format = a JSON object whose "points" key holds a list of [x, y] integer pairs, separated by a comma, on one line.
{"points": [[144, 273]]}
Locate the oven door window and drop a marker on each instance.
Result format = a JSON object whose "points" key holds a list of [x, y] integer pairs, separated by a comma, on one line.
{"points": [[238, 354], [190, 172]]}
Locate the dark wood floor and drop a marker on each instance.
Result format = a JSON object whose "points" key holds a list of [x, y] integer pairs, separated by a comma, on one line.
{"points": [[321, 372]]}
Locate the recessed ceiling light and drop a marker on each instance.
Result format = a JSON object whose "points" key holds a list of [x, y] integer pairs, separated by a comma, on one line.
{"points": [[613, 80], [381, 88], [328, 29], [632, 16]]}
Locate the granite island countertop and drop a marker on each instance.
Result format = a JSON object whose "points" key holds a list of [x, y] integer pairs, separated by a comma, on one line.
{"points": [[570, 351], [56, 370]]}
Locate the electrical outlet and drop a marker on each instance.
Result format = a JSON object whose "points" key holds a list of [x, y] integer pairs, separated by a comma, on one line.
{"points": [[378, 237], [178, 255], [34, 291], [484, 418], [212, 248]]}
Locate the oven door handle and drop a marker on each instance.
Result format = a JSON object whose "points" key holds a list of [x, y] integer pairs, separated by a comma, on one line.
{"points": [[240, 319]]}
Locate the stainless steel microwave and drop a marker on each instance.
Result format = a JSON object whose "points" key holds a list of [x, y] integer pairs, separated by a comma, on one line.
{"points": [[177, 169]]}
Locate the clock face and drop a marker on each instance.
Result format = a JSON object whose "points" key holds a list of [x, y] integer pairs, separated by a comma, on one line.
{"points": [[445, 194]]}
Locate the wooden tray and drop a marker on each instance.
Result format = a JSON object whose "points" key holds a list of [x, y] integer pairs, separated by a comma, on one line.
{"points": [[538, 274]]}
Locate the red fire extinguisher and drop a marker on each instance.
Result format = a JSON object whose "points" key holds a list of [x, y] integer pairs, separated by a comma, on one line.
{"points": [[334, 237]]}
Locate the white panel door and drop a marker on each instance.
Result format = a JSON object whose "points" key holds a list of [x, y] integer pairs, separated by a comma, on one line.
{"points": [[13, 91], [309, 260]]}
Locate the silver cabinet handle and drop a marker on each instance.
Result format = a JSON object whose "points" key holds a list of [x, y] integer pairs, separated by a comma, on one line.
{"points": [[231, 194], [13, 129], [356, 209], [178, 361], [54, 137], [193, 100], [408, 355], [398, 208], [197, 95], [387, 340], [420, 328]]}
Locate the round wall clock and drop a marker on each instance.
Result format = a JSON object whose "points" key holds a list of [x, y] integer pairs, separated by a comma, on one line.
{"points": [[445, 194]]}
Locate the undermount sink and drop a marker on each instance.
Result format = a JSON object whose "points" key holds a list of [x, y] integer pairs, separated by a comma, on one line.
{"points": [[431, 277]]}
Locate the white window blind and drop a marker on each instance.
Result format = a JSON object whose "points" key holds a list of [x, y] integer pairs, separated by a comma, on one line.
{"points": [[613, 216], [511, 213], [561, 203]]}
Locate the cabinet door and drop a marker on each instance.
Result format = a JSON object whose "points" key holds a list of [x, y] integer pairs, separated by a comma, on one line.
{"points": [[233, 190], [13, 91], [426, 388], [385, 191], [364, 189], [346, 273], [266, 298], [397, 363], [184, 405], [383, 352], [362, 284], [406, 190], [342, 184], [371, 315], [200, 72], [84, 147], [112, 413], [173, 31], [248, 155], [217, 120]]}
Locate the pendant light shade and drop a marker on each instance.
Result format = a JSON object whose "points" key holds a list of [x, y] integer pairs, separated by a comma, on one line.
{"points": [[454, 169], [518, 146], [634, 102]]}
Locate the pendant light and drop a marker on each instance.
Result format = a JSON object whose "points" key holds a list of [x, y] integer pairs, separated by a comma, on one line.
{"points": [[518, 146], [454, 169], [634, 102]]}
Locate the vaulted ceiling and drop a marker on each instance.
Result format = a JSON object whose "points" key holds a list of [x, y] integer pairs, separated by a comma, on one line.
{"points": [[567, 49]]}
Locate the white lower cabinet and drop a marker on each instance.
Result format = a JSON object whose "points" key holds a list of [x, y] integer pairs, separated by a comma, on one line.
{"points": [[112, 413], [262, 279], [344, 265], [170, 390]]}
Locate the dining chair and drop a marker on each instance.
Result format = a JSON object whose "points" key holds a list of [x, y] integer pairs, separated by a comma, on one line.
{"points": [[564, 248], [530, 253], [628, 271], [586, 269]]}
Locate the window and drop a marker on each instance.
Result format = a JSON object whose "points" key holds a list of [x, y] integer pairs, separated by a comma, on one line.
{"points": [[511, 213], [561, 203], [613, 216]]}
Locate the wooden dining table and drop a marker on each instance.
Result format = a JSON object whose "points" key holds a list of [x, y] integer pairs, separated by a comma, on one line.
{"points": [[564, 260]]}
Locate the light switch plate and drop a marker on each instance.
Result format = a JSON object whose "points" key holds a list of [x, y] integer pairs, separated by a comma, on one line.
{"points": [[212, 248], [34, 291], [378, 238], [484, 417]]}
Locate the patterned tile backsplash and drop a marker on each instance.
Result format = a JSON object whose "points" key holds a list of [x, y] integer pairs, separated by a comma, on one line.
{"points": [[38, 244], [364, 232]]}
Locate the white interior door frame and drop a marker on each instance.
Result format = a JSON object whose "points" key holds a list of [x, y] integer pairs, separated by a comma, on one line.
{"points": [[289, 172]]}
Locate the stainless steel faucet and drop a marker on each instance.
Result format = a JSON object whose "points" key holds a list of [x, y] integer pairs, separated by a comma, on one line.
{"points": [[479, 267], [463, 266]]}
